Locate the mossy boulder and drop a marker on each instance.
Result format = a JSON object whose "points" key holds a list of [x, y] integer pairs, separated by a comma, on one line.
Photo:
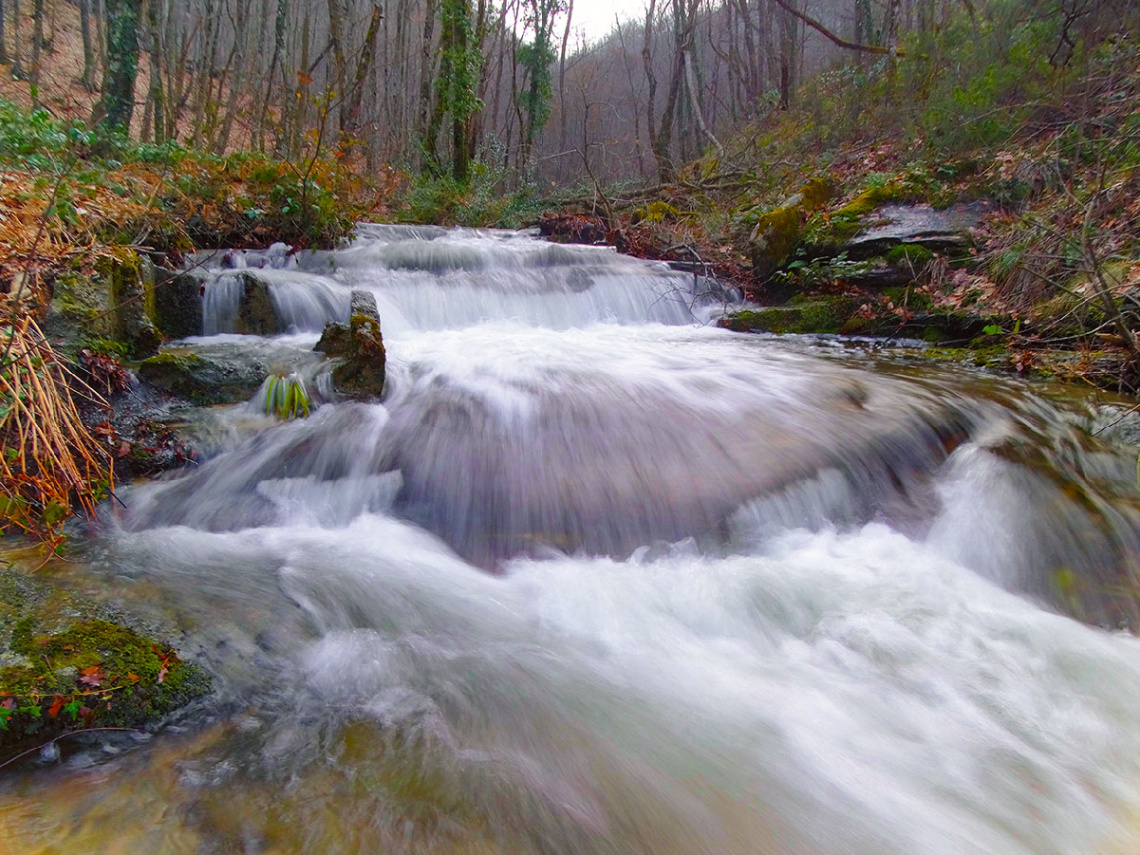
{"points": [[204, 378], [776, 233], [823, 316], [360, 347], [126, 277], [69, 664], [774, 239], [256, 314], [177, 303]]}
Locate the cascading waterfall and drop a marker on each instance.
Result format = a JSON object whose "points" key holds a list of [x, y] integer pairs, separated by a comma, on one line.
{"points": [[598, 577]]}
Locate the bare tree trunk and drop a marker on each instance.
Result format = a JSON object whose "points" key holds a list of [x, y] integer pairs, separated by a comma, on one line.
{"points": [[37, 42], [156, 95], [788, 32], [88, 78], [429, 128], [17, 67], [235, 76], [336, 39], [694, 99], [562, 138], [270, 78], [351, 115], [3, 45]]}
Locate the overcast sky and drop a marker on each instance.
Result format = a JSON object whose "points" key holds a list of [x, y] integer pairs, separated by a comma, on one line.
{"points": [[596, 17]]}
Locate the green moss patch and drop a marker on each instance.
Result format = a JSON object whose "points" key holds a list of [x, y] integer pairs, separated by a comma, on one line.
{"points": [[67, 664], [823, 316]]}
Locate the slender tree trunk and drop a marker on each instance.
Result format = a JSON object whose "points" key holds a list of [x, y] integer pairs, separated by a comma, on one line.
{"points": [[271, 77], [88, 78], [695, 102], [37, 40], [788, 34], [156, 95], [351, 115], [3, 41], [17, 67], [428, 123], [562, 138], [236, 73]]}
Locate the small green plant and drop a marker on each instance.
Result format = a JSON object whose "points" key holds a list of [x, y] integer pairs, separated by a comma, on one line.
{"points": [[286, 397]]}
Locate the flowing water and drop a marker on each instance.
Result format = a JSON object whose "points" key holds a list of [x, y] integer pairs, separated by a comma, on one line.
{"points": [[599, 577]]}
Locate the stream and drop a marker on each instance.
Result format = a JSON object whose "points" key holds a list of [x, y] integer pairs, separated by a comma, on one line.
{"points": [[599, 577]]}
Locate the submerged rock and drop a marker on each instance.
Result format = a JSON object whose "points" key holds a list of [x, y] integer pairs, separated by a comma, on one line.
{"points": [[70, 664], [360, 375], [826, 315]]}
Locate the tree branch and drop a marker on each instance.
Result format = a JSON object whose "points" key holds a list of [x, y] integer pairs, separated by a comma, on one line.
{"points": [[843, 43]]}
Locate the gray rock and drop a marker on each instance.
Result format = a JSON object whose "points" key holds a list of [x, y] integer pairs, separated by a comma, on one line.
{"points": [[177, 303], [360, 375], [937, 230], [256, 315]]}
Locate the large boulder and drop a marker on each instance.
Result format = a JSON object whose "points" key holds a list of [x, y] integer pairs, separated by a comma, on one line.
{"points": [[177, 303], [256, 314], [126, 278], [942, 230], [360, 347]]}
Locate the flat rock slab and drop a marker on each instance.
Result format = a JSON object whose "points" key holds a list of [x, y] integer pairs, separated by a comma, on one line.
{"points": [[936, 229], [207, 373]]}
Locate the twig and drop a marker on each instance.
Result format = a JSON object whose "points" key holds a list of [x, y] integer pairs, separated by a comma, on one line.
{"points": [[22, 754]]}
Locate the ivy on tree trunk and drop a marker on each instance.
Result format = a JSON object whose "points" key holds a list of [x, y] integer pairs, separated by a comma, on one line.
{"points": [[117, 103]]}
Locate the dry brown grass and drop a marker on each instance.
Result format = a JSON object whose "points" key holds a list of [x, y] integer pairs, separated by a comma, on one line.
{"points": [[49, 463]]}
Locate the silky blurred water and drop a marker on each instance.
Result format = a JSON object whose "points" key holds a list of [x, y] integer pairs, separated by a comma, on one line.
{"points": [[596, 576]]}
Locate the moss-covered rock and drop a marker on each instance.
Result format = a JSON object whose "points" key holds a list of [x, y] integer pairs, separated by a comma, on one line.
{"points": [[774, 239], [361, 373], [256, 314], [776, 233], [130, 294], [202, 378], [69, 664], [824, 315]]}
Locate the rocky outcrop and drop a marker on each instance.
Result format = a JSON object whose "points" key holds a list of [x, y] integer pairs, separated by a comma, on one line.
{"points": [[947, 230], [360, 347]]}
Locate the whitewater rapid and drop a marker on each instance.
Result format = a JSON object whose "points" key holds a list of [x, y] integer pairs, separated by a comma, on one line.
{"points": [[597, 576]]}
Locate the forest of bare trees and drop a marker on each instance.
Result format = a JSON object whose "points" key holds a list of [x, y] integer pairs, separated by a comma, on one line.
{"points": [[509, 87]]}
